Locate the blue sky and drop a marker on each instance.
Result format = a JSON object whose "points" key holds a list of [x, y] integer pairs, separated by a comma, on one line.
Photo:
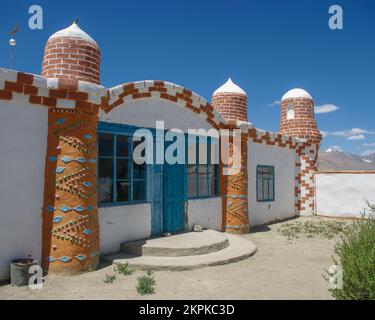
{"points": [[267, 47]]}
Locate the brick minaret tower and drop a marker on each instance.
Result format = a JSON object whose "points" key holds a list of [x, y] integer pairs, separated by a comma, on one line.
{"points": [[72, 54], [70, 212], [231, 101], [298, 120]]}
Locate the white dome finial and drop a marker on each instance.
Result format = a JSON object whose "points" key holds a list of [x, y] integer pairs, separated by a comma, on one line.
{"points": [[73, 31], [230, 87], [296, 93]]}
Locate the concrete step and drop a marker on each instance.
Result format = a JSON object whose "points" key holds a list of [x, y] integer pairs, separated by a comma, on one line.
{"points": [[238, 249], [184, 244]]}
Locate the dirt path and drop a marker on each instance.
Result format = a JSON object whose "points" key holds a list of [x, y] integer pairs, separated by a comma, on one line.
{"points": [[281, 269]]}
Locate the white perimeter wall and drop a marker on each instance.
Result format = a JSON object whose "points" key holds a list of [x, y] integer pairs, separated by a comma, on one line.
{"points": [[284, 160], [23, 145], [342, 194], [205, 212], [120, 224]]}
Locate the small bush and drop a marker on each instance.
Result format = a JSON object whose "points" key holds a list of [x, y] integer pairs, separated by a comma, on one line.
{"points": [[356, 253], [109, 278], [123, 269], [146, 283]]}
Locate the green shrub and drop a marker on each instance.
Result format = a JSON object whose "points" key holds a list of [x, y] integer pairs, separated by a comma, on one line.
{"points": [[356, 253], [146, 283], [109, 278], [123, 269]]}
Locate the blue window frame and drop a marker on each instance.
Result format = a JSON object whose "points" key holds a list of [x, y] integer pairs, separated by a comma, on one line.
{"points": [[202, 178], [265, 183], [121, 180]]}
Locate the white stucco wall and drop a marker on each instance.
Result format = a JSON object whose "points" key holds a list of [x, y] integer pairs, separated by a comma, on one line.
{"points": [[144, 113], [284, 161], [205, 212], [120, 224], [23, 145], [343, 194]]}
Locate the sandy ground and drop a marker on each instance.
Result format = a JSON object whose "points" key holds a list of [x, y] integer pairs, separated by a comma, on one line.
{"points": [[281, 269]]}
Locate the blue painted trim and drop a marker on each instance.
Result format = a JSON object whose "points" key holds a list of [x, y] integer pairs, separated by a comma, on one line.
{"points": [[126, 130]]}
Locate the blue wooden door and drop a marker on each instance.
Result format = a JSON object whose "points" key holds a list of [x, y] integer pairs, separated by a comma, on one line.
{"points": [[173, 198]]}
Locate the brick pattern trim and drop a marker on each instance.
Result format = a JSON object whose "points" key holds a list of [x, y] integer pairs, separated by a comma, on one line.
{"points": [[167, 91], [71, 58], [51, 93]]}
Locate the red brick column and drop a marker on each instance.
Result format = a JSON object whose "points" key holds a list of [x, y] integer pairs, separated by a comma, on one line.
{"points": [[234, 187], [303, 125]]}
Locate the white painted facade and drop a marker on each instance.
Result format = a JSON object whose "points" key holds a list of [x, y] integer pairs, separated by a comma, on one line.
{"points": [[120, 224], [144, 113], [205, 212], [284, 160], [342, 194], [23, 145]]}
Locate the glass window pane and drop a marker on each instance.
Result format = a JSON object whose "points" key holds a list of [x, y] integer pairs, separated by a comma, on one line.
{"points": [[192, 185], [202, 170], [122, 191], [105, 144], [105, 168], [139, 190], [122, 169], [191, 169], [213, 185], [202, 188], [271, 189], [265, 189], [105, 190], [260, 189], [122, 146]]}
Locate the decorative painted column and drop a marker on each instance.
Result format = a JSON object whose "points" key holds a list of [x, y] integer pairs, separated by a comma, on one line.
{"points": [[70, 213], [231, 101], [234, 189]]}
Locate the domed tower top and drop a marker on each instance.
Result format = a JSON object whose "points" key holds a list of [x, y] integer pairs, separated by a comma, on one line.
{"points": [[72, 54], [231, 101], [297, 116]]}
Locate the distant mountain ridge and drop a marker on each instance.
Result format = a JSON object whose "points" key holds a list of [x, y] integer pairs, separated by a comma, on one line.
{"points": [[335, 160]]}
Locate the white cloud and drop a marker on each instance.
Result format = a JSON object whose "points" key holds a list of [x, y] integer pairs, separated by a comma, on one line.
{"points": [[349, 133], [275, 103], [326, 108], [334, 149], [357, 137], [372, 144], [368, 152]]}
